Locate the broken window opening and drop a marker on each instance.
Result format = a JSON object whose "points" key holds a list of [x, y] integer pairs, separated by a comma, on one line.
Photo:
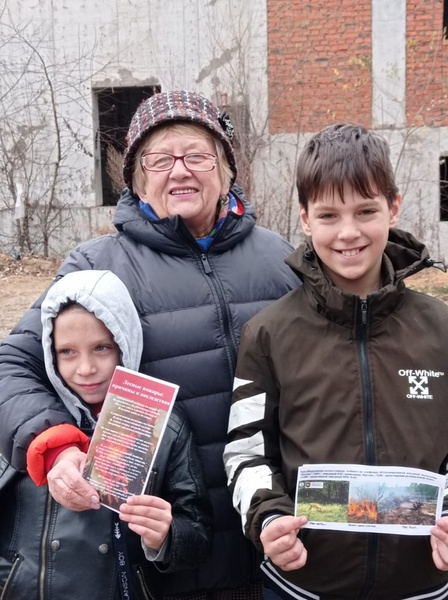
{"points": [[115, 108]]}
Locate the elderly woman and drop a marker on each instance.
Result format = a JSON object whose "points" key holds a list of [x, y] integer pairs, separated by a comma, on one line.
{"points": [[197, 268]]}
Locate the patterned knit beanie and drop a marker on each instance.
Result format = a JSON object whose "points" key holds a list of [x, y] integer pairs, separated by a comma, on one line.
{"points": [[178, 105]]}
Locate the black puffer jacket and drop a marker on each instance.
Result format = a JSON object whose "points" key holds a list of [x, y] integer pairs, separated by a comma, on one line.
{"points": [[192, 307], [48, 552]]}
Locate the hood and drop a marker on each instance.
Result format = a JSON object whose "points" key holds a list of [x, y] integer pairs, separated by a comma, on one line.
{"points": [[105, 295], [169, 235], [404, 255]]}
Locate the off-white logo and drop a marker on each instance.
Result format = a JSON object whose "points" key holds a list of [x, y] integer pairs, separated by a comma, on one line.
{"points": [[419, 382]]}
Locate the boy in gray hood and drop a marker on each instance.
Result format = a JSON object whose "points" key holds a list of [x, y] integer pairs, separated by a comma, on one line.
{"points": [[90, 325]]}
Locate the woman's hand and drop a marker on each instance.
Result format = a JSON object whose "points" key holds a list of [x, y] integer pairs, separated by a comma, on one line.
{"points": [[439, 543], [66, 483], [281, 544], [148, 516]]}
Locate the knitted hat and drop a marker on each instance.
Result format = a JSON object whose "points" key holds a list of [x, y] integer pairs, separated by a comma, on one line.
{"points": [[178, 105]]}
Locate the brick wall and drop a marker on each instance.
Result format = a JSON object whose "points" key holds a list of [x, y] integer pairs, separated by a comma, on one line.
{"points": [[319, 62], [426, 64]]}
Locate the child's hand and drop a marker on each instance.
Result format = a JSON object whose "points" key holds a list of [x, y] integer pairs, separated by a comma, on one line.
{"points": [[439, 543], [281, 544], [148, 516], [66, 483]]}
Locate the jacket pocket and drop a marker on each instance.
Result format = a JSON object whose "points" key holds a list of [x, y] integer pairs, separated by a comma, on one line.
{"points": [[142, 592], [8, 572], [7, 473]]}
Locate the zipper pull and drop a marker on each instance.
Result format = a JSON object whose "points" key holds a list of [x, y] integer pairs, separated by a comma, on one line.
{"points": [[206, 264], [364, 312]]}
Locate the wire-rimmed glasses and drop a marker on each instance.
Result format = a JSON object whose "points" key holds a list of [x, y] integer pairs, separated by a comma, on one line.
{"points": [[162, 161]]}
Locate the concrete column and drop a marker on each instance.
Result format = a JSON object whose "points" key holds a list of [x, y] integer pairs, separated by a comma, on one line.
{"points": [[388, 63]]}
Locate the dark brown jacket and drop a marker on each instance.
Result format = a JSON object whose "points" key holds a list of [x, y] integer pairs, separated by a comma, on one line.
{"points": [[334, 379]]}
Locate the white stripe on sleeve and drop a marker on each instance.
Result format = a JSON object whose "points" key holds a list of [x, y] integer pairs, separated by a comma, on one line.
{"points": [[239, 382], [247, 411], [249, 481], [241, 451]]}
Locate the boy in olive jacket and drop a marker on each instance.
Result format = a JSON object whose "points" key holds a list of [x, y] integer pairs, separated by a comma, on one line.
{"points": [[329, 374]]}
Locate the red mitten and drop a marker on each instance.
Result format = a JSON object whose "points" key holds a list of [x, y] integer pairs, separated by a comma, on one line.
{"points": [[48, 445]]}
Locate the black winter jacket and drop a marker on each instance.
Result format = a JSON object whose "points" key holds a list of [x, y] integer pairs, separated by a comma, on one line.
{"points": [[48, 552], [192, 305]]}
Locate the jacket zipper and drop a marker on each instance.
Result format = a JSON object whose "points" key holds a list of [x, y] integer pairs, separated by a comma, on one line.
{"points": [[206, 264], [43, 546], [372, 542], [230, 342], [366, 384]]}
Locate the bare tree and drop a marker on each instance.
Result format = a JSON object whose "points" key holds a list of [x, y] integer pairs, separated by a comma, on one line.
{"points": [[114, 168], [39, 144], [266, 167]]}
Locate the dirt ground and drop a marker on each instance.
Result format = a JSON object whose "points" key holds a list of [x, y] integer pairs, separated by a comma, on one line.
{"points": [[22, 281]]}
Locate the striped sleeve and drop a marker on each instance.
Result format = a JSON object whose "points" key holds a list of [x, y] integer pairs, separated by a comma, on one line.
{"points": [[252, 454]]}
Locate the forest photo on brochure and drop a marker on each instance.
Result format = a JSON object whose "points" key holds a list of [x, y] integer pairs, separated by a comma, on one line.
{"points": [[396, 500], [127, 435]]}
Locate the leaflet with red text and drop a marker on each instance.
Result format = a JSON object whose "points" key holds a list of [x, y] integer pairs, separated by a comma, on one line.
{"points": [[396, 500], [128, 434]]}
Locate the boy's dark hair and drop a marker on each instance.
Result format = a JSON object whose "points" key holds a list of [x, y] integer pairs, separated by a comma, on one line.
{"points": [[341, 155]]}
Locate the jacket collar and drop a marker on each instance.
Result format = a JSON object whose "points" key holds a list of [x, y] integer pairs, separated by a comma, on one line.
{"points": [[403, 256], [170, 235]]}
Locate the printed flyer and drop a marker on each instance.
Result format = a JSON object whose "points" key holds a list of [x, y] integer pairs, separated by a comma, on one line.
{"points": [[127, 435], [396, 500]]}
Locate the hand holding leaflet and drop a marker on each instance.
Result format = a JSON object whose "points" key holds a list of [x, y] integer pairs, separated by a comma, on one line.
{"points": [[127, 436], [396, 500]]}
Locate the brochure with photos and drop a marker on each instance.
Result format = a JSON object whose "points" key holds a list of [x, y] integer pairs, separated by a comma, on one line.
{"points": [[398, 500]]}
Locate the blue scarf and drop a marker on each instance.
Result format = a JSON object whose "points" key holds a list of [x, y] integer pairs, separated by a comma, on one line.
{"points": [[230, 204]]}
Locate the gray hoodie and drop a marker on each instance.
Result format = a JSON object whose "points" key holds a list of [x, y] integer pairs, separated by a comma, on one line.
{"points": [[105, 295]]}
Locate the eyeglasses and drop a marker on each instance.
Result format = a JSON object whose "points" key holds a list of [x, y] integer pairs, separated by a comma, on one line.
{"points": [[159, 161]]}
